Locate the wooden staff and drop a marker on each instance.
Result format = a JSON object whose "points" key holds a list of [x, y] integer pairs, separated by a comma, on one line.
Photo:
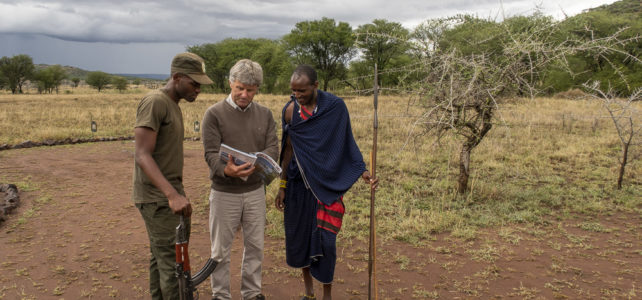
{"points": [[372, 251]]}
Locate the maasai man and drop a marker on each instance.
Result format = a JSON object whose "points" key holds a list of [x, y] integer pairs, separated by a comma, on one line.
{"points": [[320, 161]]}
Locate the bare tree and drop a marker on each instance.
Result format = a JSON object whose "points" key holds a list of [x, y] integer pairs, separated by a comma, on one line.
{"points": [[625, 119], [471, 66]]}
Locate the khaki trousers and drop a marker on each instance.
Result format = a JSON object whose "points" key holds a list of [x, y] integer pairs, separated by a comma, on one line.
{"points": [[228, 213]]}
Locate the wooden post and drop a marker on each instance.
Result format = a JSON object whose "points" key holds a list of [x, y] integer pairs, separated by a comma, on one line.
{"points": [[372, 249]]}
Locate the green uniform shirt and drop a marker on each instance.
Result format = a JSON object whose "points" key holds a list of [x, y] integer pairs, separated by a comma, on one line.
{"points": [[160, 113]]}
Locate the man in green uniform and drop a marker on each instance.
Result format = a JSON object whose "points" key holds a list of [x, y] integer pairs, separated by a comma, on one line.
{"points": [[158, 173]]}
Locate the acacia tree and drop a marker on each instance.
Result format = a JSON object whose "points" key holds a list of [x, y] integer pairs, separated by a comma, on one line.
{"points": [[3, 81], [50, 78], [16, 70], [626, 120], [381, 42], [220, 57], [75, 81], [120, 83], [474, 66], [276, 65], [98, 80], [609, 70], [324, 44]]}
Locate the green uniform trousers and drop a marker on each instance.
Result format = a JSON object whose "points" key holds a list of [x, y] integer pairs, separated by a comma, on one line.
{"points": [[161, 224]]}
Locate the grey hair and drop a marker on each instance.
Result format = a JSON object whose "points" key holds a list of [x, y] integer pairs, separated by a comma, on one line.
{"points": [[247, 72]]}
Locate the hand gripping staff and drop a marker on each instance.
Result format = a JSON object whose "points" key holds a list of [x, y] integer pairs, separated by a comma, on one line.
{"points": [[186, 283]]}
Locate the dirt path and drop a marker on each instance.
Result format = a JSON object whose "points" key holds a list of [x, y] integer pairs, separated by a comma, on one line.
{"points": [[77, 235]]}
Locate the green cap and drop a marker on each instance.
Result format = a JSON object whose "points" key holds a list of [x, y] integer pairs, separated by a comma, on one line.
{"points": [[191, 65]]}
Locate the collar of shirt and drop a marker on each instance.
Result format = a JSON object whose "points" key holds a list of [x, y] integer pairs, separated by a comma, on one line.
{"points": [[231, 102]]}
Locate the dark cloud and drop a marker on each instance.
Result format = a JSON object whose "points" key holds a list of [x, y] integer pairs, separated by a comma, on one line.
{"points": [[85, 27], [107, 57]]}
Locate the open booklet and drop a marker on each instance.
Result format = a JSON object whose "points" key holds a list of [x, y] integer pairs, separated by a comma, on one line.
{"points": [[266, 167]]}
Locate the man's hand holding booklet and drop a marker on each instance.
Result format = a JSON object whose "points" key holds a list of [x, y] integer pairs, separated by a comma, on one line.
{"points": [[266, 167]]}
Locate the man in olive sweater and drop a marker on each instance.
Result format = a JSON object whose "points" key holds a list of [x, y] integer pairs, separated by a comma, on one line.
{"points": [[234, 202]]}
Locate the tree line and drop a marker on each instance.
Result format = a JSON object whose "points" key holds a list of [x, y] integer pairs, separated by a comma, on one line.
{"points": [[15, 71], [345, 57]]}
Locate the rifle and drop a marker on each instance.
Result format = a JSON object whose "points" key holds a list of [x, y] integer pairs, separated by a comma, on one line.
{"points": [[186, 283]]}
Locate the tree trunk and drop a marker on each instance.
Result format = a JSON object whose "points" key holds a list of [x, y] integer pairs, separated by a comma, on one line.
{"points": [[464, 171], [625, 154]]}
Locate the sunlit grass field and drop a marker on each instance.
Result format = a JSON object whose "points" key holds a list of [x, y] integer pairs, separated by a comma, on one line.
{"points": [[545, 159]]}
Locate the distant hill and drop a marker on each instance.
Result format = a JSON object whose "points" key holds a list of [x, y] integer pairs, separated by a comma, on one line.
{"points": [[621, 7], [146, 76], [71, 71], [82, 74]]}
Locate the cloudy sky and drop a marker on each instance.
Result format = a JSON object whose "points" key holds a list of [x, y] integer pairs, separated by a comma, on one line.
{"points": [[132, 36]]}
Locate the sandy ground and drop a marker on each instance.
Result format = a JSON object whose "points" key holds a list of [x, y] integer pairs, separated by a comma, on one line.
{"points": [[77, 235]]}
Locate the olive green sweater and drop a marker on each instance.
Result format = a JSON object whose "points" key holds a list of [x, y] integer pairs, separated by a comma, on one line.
{"points": [[252, 130]]}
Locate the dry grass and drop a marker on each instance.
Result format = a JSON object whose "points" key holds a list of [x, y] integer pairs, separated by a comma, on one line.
{"points": [[543, 157]]}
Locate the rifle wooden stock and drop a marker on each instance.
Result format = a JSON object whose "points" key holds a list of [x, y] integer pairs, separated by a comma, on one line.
{"points": [[187, 283]]}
